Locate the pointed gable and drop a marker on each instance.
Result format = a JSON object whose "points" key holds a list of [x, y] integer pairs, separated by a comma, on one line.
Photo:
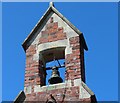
{"points": [[52, 17]]}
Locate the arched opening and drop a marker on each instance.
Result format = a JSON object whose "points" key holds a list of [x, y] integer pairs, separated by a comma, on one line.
{"points": [[54, 64]]}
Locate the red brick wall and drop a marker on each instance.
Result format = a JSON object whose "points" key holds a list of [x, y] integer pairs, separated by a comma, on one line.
{"points": [[52, 32], [33, 74], [73, 60]]}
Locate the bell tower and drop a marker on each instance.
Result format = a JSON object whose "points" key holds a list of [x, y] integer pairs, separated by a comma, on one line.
{"points": [[54, 38]]}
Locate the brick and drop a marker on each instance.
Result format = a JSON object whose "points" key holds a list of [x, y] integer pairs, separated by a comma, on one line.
{"points": [[44, 34], [35, 70], [28, 60], [37, 79], [51, 20], [54, 39], [49, 25], [52, 31], [55, 25], [50, 38], [74, 44], [76, 51], [60, 29], [74, 40], [29, 75], [68, 65], [30, 53], [29, 69], [61, 36], [69, 71], [35, 64], [76, 47], [31, 48], [43, 40]]}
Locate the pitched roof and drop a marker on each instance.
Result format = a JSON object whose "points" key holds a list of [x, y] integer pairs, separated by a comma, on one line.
{"points": [[20, 98], [40, 22]]}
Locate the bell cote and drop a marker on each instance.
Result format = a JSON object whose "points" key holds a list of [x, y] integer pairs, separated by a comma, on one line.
{"points": [[54, 70]]}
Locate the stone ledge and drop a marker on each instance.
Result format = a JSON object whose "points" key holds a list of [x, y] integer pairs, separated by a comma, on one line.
{"points": [[38, 88]]}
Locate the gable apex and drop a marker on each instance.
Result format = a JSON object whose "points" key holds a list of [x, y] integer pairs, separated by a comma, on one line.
{"points": [[50, 9], [51, 4]]}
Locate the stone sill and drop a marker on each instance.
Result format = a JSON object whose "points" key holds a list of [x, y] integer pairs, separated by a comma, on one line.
{"points": [[38, 88]]}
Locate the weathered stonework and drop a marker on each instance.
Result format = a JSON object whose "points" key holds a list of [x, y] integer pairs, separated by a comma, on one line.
{"points": [[54, 33]]}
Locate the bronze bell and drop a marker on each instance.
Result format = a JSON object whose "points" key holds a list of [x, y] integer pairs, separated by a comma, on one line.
{"points": [[55, 78]]}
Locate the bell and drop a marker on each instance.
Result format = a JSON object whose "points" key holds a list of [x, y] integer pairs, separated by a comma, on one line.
{"points": [[55, 78]]}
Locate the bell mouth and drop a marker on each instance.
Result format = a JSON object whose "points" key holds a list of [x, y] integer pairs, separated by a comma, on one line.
{"points": [[55, 80]]}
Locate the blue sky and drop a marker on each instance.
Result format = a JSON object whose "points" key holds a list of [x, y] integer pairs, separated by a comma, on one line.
{"points": [[97, 21]]}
